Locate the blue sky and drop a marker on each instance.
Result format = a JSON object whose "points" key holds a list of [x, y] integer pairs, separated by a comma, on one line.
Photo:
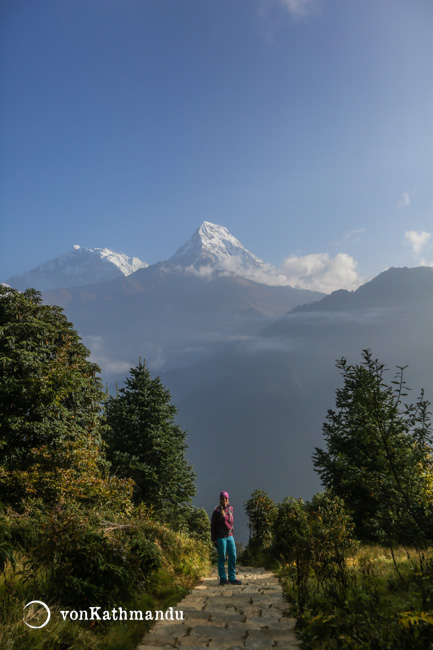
{"points": [[303, 126]]}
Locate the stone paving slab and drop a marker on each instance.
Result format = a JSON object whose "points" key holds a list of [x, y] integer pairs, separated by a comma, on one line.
{"points": [[253, 615]]}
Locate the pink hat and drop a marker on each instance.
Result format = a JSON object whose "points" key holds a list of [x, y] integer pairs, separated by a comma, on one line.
{"points": [[224, 495]]}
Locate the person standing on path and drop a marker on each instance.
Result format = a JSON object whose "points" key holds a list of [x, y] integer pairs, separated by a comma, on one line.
{"points": [[222, 538]]}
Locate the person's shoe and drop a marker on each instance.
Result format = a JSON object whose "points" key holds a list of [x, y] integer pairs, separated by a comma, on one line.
{"points": [[235, 582], [223, 581]]}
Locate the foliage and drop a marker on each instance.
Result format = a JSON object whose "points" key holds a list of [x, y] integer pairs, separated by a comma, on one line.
{"points": [[86, 558], [69, 527], [292, 545], [261, 512], [379, 609], [314, 540], [181, 561], [145, 444], [378, 455], [50, 400], [78, 555], [196, 523], [6, 548]]}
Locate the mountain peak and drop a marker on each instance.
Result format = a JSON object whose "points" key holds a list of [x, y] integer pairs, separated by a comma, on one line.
{"points": [[210, 244], [212, 248], [79, 266]]}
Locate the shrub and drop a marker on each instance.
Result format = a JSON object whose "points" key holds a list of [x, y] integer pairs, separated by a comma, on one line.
{"points": [[313, 541], [83, 557]]}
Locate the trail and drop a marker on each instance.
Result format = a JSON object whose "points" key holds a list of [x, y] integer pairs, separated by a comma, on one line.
{"points": [[253, 615]]}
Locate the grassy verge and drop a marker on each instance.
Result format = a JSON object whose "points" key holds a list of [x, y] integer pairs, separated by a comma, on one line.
{"points": [[381, 600], [184, 562]]}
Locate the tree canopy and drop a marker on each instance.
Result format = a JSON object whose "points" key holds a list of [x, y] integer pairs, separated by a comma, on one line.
{"points": [[261, 512], [145, 443], [50, 408], [378, 454]]}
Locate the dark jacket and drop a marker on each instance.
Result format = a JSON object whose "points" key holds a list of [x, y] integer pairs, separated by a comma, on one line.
{"points": [[221, 524]]}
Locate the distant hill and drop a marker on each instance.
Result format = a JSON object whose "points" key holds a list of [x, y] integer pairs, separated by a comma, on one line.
{"points": [[396, 286], [264, 399]]}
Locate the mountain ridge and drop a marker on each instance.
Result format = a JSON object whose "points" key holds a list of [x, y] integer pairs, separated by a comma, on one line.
{"points": [[77, 267], [210, 251], [408, 283]]}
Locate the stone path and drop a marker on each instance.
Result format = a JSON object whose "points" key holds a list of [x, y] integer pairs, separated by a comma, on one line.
{"points": [[253, 615]]}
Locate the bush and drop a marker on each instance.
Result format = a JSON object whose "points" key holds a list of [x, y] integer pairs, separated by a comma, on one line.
{"points": [[87, 559], [78, 555], [313, 541]]}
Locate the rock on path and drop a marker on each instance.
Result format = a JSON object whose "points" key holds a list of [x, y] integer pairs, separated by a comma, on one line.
{"points": [[252, 615]]}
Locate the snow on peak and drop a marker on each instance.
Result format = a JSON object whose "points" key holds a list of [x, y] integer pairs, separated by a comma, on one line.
{"points": [[80, 266], [211, 244], [213, 248], [125, 264]]}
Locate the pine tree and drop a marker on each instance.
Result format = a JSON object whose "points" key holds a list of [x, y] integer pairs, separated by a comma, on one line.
{"points": [[50, 408], [378, 455], [145, 443]]}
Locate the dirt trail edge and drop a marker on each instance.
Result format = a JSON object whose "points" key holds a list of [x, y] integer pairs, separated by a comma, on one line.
{"points": [[252, 615]]}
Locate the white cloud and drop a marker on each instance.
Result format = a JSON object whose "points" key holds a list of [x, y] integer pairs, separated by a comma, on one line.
{"points": [[417, 239], [299, 8], [349, 236], [353, 235], [320, 272], [404, 201], [266, 274], [99, 355]]}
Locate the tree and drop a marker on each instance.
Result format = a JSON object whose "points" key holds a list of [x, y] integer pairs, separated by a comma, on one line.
{"points": [[50, 408], [261, 512], [378, 454], [145, 443]]}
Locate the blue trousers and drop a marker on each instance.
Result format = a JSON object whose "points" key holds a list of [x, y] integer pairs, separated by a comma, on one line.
{"points": [[226, 546]]}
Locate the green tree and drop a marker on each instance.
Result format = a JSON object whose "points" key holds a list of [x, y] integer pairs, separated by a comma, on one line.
{"points": [[145, 443], [261, 512], [378, 455], [50, 405]]}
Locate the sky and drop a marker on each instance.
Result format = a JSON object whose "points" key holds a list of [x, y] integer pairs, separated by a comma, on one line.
{"points": [[303, 126]]}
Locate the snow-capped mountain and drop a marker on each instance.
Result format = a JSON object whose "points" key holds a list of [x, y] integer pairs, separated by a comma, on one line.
{"points": [[211, 251], [80, 266], [213, 248]]}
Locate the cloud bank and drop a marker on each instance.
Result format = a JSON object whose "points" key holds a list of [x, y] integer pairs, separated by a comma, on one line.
{"points": [[316, 272], [320, 272], [404, 201], [417, 239], [299, 8]]}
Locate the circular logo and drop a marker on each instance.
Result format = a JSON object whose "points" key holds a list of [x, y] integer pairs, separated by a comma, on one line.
{"points": [[38, 602]]}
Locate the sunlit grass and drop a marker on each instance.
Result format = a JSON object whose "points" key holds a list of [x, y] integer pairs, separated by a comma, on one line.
{"points": [[388, 602], [184, 563]]}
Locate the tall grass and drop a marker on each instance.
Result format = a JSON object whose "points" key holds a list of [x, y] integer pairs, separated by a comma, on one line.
{"points": [[182, 561], [388, 603]]}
